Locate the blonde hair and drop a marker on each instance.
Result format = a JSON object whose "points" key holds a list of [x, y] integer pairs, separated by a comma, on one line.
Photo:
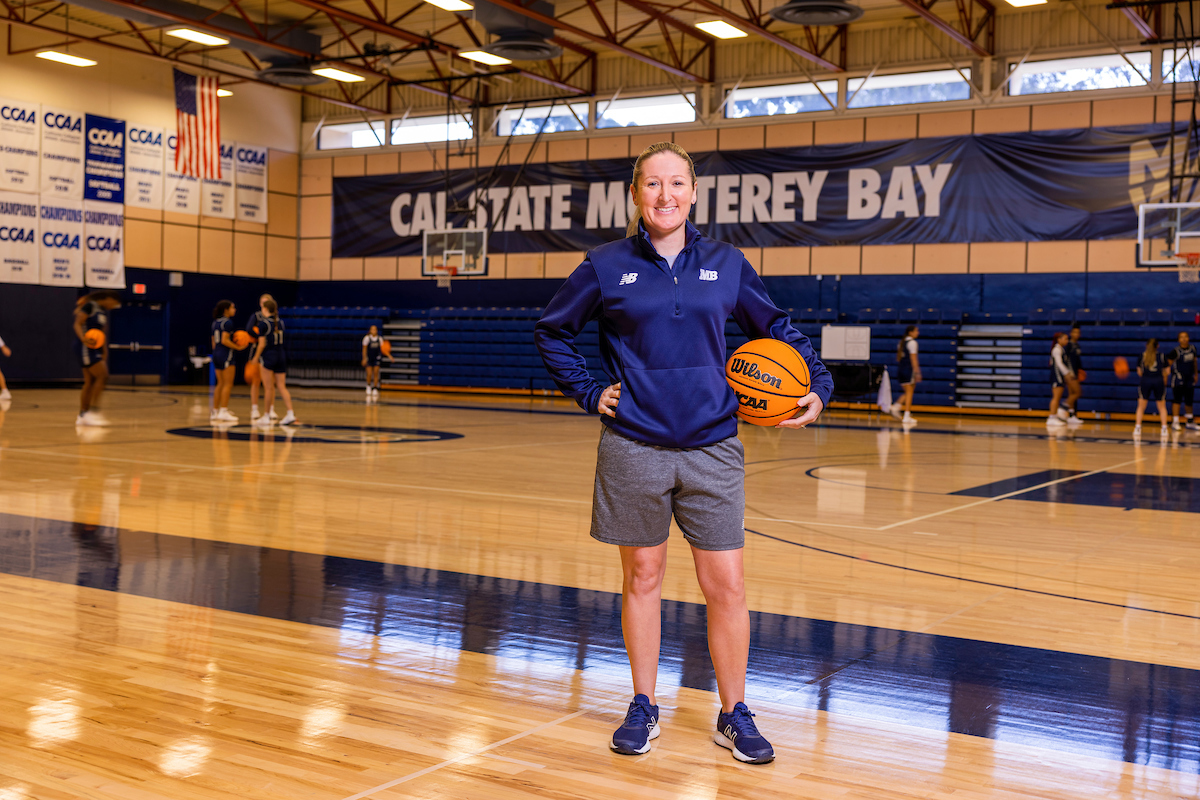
{"points": [[653, 150], [1151, 355]]}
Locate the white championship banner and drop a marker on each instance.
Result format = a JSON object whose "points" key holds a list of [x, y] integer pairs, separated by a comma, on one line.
{"points": [[18, 238], [103, 255], [250, 176], [181, 193], [62, 154], [144, 167], [20, 137], [216, 196], [60, 237]]}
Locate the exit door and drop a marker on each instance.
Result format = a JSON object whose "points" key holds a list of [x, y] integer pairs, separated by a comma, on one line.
{"points": [[137, 349]]}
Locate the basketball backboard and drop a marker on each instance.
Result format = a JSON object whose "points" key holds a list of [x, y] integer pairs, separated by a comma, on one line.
{"points": [[454, 253]]}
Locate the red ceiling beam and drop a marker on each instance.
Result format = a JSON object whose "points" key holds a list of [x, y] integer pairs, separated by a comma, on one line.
{"points": [[946, 28], [1143, 25]]}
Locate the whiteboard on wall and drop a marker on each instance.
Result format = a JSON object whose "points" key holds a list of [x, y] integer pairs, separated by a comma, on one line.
{"points": [[845, 343]]}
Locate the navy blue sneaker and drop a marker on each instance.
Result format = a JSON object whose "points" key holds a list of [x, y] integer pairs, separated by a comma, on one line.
{"points": [[737, 732], [640, 726]]}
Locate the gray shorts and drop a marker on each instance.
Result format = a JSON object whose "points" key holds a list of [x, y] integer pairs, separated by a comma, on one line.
{"points": [[639, 486]]}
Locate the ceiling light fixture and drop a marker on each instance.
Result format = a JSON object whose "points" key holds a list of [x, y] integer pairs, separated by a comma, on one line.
{"points": [[484, 58], [224, 93], [1023, 3], [451, 5], [66, 58], [197, 37], [721, 29], [338, 75]]}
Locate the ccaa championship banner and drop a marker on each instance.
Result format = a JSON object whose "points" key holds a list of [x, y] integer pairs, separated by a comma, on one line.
{"points": [[1070, 184], [66, 178]]}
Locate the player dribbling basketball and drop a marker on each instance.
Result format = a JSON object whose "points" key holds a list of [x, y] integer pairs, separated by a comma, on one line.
{"points": [[372, 356], [91, 314], [669, 442]]}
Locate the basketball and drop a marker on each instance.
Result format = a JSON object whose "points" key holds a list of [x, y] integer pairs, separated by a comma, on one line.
{"points": [[1082, 376], [94, 339], [386, 347], [768, 377], [241, 338], [251, 373], [1121, 367]]}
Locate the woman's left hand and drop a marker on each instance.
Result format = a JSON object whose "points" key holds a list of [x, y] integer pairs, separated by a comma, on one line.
{"points": [[813, 408]]}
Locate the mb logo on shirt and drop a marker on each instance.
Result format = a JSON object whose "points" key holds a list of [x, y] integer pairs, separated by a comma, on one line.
{"points": [[627, 278], [708, 274]]}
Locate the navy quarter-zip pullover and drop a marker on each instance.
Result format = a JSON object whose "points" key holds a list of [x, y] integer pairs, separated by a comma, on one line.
{"points": [[662, 336]]}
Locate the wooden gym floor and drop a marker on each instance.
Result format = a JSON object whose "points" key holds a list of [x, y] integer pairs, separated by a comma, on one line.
{"points": [[400, 600]]}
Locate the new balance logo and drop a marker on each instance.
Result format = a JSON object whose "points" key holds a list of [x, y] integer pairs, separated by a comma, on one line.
{"points": [[708, 274], [730, 733], [627, 278]]}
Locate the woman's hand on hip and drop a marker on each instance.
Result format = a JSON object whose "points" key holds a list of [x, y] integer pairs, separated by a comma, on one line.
{"points": [[812, 406], [609, 398]]}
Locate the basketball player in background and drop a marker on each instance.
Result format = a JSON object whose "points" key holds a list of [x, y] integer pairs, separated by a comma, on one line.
{"points": [[1153, 373], [668, 445], [1060, 373], [272, 360], [91, 314], [372, 356], [223, 346], [1074, 379], [1183, 381], [255, 326], [908, 372]]}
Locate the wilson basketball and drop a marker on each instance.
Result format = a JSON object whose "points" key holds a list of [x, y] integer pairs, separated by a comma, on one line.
{"points": [[385, 347], [94, 339], [241, 338], [1121, 367], [251, 373], [768, 377]]}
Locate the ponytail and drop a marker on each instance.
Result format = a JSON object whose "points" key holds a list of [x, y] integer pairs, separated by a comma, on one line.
{"points": [[900, 345], [638, 166], [1150, 356]]}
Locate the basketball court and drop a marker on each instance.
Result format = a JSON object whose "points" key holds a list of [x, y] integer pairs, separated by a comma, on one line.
{"points": [[402, 601]]}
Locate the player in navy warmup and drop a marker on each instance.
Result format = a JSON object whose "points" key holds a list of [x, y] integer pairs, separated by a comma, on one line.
{"points": [[908, 373], [255, 327], [372, 355], [91, 314], [1074, 358], [1153, 374], [272, 359], [1183, 381], [222, 358]]}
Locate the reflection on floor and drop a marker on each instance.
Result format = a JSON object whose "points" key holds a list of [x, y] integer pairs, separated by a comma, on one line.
{"points": [[1136, 712], [1113, 489]]}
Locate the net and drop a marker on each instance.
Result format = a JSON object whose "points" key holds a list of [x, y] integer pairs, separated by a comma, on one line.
{"points": [[444, 273], [1189, 270]]}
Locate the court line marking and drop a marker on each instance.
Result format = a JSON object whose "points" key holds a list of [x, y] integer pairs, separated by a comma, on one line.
{"points": [[529, 764], [1008, 495], [451, 761]]}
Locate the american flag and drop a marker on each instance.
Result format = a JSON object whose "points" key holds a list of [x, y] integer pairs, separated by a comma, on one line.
{"points": [[197, 126]]}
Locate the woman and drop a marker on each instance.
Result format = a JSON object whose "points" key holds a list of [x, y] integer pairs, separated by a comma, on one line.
{"points": [[1153, 372], [222, 358], [909, 372], [272, 361], [1183, 381], [372, 355], [669, 442], [1074, 359], [91, 314], [255, 326], [1060, 375]]}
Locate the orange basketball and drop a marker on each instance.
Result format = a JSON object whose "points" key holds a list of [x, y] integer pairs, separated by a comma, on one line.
{"points": [[241, 338], [252, 373], [386, 347], [768, 377], [1082, 376], [1121, 367], [94, 339]]}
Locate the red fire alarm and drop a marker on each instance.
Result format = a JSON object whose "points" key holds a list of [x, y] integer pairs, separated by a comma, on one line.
{"points": [[139, 288]]}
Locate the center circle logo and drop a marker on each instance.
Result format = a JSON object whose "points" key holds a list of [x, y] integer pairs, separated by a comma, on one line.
{"points": [[316, 434]]}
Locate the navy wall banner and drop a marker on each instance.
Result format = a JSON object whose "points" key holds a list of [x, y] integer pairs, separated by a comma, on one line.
{"points": [[104, 159], [1069, 184]]}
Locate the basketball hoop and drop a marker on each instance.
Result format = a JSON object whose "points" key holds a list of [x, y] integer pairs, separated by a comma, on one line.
{"points": [[1189, 269], [444, 274]]}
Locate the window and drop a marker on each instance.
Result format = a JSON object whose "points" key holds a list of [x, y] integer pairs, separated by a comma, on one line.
{"points": [[939, 86], [792, 98], [660, 110], [351, 134], [1181, 65], [522, 122], [1079, 74], [418, 130]]}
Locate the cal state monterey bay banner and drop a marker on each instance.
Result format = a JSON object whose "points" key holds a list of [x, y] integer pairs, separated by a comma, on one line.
{"points": [[104, 159], [20, 143], [104, 255], [1072, 184], [18, 238]]}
